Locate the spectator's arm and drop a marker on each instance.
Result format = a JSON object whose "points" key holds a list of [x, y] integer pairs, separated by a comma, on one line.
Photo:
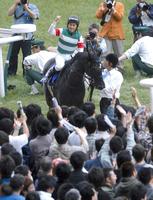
{"points": [[123, 115], [134, 16], [53, 30], [83, 140], [135, 97], [122, 57], [23, 120], [150, 11], [101, 11], [118, 12], [130, 133], [13, 8], [34, 14]]}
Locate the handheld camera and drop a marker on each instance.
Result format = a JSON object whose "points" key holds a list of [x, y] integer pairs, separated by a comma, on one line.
{"points": [[19, 104]]}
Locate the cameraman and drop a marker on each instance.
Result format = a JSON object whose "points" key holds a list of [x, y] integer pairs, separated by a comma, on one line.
{"points": [[23, 13], [141, 15], [92, 40], [111, 14]]}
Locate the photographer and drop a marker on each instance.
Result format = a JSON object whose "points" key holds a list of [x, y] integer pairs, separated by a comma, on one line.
{"points": [[92, 40], [141, 15], [23, 13], [111, 15]]}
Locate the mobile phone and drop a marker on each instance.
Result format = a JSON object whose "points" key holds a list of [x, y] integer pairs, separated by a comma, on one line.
{"points": [[55, 102], [19, 104]]}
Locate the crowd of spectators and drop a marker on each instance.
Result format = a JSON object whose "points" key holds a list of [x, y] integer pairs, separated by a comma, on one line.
{"points": [[76, 153]]}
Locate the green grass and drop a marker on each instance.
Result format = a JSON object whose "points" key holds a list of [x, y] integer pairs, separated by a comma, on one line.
{"points": [[85, 9]]}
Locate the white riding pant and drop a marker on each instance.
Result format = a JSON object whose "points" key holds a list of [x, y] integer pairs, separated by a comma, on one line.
{"points": [[60, 61]]}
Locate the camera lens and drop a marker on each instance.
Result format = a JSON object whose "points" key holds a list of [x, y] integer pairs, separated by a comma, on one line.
{"points": [[92, 34], [145, 7], [109, 5]]}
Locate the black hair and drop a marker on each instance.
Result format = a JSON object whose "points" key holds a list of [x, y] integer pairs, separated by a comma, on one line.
{"points": [[138, 152], [43, 125], [32, 196], [106, 172], [90, 125], [7, 125], [150, 124], [127, 169], [98, 144], [22, 169], [86, 190], [89, 108], [34, 132], [63, 189], [7, 148], [138, 192], [77, 159], [6, 113], [102, 125], [116, 144], [61, 135], [7, 165], [72, 194], [96, 177], [4, 138], [45, 182], [93, 26], [62, 171], [79, 119], [145, 175], [123, 156], [32, 111], [16, 157], [16, 182], [53, 117], [45, 165], [65, 111], [113, 59], [102, 195]]}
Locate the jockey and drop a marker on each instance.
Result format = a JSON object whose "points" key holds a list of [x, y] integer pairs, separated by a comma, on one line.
{"points": [[70, 43]]}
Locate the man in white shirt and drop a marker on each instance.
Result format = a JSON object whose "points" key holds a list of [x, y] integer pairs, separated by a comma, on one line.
{"points": [[141, 52], [113, 80], [34, 64]]}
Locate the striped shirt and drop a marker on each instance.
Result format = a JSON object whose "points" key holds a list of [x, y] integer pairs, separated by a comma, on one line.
{"points": [[68, 42]]}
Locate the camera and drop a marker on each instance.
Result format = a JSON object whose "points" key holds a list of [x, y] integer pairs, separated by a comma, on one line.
{"points": [[20, 107], [109, 4], [143, 6], [91, 35], [23, 2]]}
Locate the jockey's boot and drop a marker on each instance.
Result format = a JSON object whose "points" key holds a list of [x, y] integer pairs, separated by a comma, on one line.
{"points": [[49, 73]]}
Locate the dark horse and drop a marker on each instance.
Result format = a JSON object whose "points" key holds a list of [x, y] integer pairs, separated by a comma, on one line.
{"points": [[69, 88]]}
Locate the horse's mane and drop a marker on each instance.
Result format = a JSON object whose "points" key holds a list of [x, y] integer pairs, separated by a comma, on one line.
{"points": [[80, 58]]}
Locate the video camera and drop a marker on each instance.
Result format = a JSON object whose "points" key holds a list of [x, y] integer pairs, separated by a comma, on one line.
{"points": [[143, 6], [23, 2], [110, 3]]}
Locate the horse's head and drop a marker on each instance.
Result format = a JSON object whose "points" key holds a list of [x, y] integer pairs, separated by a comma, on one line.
{"points": [[94, 68]]}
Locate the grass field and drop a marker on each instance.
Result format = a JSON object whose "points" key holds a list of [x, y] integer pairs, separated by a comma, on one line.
{"points": [[85, 9]]}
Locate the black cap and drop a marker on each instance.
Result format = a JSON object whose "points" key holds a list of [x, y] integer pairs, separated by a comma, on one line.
{"points": [[35, 43]]}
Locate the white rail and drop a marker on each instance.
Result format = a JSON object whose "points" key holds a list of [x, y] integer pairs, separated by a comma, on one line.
{"points": [[22, 29]]}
